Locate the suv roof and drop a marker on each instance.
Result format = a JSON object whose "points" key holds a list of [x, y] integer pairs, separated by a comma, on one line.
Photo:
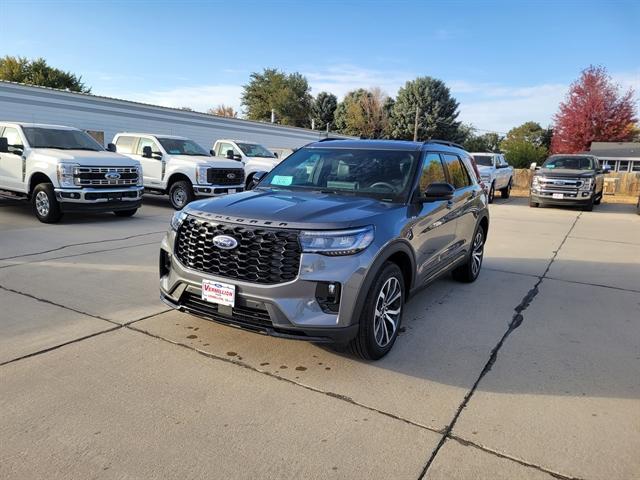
{"points": [[383, 144]]}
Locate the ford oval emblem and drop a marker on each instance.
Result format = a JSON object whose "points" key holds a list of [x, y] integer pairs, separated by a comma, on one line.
{"points": [[112, 176], [231, 176], [225, 242]]}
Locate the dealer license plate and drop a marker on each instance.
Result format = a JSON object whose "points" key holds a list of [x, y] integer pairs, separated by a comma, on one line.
{"points": [[558, 196], [232, 190], [220, 293]]}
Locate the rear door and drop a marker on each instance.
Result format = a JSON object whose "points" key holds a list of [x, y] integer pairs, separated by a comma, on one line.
{"points": [[465, 200], [11, 162], [434, 226]]}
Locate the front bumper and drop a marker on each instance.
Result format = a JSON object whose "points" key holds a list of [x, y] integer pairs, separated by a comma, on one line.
{"points": [[579, 200], [216, 190], [99, 199], [292, 308]]}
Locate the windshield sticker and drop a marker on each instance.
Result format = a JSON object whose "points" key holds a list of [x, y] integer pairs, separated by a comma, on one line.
{"points": [[282, 180], [174, 152]]}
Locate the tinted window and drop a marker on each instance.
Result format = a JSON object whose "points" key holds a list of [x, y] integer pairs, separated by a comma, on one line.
{"points": [[484, 160], [570, 163], [147, 142], [432, 171], [384, 174], [62, 139], [457, 171], [125, 144], [178, 146], [255, 150]]}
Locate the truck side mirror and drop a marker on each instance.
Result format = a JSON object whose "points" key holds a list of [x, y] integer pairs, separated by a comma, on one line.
{"points": [[275, 154], [230, 155], [533, 166], [111, 147], [606, 169], [147, 152], [212, 153], [255, 179], [4, 145]]}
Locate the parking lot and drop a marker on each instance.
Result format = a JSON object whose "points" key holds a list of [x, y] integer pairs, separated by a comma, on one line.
{"points": [[533, 371]]}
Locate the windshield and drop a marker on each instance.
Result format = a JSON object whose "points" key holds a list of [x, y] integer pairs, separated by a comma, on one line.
{"points": [[177, 146], [484, 160], [61, 139], [569, 163], [255, 150], [382, 174]]}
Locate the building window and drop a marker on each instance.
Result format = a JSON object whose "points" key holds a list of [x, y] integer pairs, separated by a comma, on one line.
{"points": [[635, 166], [623, 166]]}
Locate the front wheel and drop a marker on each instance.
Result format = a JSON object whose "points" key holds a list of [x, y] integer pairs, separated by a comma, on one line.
{"points": [[492, 192], [469, 271], [598, 199], [533, 204], [45, 205], [125, 213], [381, 316], [181, 194]]}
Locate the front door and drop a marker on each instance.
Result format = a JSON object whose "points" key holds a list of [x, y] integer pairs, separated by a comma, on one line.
{"points": [[153, 169], [434, 225], [11, 162]]}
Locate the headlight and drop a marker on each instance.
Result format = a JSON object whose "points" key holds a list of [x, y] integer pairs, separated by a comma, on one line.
{"points": [[336, 243], [201, 174], [587, 183], [535, 182], [66, 173], [140, 179], [177, 220]]}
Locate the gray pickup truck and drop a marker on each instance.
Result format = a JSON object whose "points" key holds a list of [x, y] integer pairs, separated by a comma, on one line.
{"points": [[571, 180]]}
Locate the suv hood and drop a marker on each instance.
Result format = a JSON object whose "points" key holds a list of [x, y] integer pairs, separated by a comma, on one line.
{"points": [[86, 157], [560, 172], [287, 209]]}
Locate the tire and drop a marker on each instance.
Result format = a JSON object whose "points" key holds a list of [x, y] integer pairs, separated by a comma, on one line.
{"points": [[376, 335], [469, 271], [598, 199], [506, 191], [125, 213], [181, 194], [492, 193], [45, 205], [248, 181], [589, 206], [533, 204]]}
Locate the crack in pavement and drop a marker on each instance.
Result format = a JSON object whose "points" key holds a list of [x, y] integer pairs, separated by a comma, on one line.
{"points": [[516, 321], [80, 244]]}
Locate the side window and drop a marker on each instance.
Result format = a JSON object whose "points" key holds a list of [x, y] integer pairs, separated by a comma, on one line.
{"points": [[13, 139], [432, 171], [222, 149], [125, 144], [146, 142], [457, 171]]}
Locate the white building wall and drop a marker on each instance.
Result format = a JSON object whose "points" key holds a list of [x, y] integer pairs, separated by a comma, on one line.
{"points": [[21, 103]]}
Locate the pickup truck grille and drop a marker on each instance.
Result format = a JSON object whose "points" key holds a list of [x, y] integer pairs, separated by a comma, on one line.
{"points": [[106, 176], [225, 176], [263, 255]]}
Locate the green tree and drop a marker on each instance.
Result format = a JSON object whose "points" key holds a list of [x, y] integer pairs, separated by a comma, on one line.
{"points": [[287, 94], [437, 111], [324, 109], [38, 72], [526, 144], [363, 113], [487, 142]]}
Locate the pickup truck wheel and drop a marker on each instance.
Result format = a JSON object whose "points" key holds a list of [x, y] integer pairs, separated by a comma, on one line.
{"points": [[598, 199], [125, 213], [533, 204], [589, 206], [181, 194], [506, 191], [45, 205], [382, 314], [469, 271], [492, 192]]}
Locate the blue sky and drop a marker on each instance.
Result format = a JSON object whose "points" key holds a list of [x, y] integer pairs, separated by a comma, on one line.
{"points": [[505, 62]]}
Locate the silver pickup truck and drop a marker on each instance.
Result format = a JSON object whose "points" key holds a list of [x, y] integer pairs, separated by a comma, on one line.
{"points": [[495, 173]]}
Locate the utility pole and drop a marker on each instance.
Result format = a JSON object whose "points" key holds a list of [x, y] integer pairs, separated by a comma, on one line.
{"points": [[313, 124], [415, 126], [273, 115]]}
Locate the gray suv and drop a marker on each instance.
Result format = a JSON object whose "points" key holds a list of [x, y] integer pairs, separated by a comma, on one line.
{"points": [[329, 245]]}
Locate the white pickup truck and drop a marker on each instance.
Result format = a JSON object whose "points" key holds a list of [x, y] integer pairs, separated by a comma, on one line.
{"points": [[180, 167], [495, 173], [253, 156], [62, 169]]}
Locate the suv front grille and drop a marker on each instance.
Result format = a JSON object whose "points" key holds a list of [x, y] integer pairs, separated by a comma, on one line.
{"points": [[266, 256], [225, 176], [106, 176]]}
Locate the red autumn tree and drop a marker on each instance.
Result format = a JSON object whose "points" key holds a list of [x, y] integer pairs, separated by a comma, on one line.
{"points": [[593, 111]]}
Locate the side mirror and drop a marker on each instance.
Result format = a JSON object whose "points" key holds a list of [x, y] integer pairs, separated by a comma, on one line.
{"points": [[439, 191], [111, 147], [4, 145], [606, 169], [147, 152], [275, 154], [212, 153], [237, 157], [533, 166], [255, 180], [230, 155]]}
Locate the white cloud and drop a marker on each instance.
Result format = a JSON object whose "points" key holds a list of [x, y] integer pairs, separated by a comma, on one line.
{"points": [[199, 98], [341, 79]]}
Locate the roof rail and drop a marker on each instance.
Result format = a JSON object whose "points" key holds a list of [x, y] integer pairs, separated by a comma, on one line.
{"points": [[443, 142], [328, 139]]}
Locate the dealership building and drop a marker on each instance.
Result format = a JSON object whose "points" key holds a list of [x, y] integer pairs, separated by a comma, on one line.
{"points": [[103, 117]]}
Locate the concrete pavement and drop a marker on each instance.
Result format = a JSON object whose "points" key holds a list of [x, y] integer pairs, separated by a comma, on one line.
{"points": [[530, 372]]}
